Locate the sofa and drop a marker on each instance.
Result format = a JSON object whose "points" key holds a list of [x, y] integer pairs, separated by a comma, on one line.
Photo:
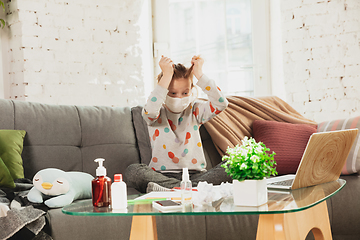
{"points": [[71, 137]]}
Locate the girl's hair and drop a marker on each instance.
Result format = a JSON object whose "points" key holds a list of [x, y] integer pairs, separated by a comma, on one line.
{"points": [[180, 71]]}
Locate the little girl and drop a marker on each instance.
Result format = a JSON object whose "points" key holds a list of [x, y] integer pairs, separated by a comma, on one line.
{"points": [[174, 116]]}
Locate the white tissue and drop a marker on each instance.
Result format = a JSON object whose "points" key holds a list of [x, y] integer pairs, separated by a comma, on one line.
{"points": [[207, 193], [226, 189], [3, 209]]}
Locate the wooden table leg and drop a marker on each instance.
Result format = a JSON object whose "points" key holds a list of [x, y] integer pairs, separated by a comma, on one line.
{"points": [[143, 227], [296, 225]]}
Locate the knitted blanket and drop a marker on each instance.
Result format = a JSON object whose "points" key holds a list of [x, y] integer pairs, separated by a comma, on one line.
{"points": [[20, 219], [235, 122]]}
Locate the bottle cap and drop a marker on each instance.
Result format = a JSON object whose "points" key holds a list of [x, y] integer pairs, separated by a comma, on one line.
{"points": [[118, 178], [185, 174], [101, 170]]}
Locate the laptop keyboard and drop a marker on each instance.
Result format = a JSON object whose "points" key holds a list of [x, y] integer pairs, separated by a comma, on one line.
{"points": [[283, 183]]}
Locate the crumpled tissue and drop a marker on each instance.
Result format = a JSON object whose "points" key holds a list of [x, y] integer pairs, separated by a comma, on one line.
{"points": [[3, 209], [207, 193]]}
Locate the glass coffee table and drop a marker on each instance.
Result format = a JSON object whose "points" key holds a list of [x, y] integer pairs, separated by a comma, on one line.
{"points": [[286, 215]]}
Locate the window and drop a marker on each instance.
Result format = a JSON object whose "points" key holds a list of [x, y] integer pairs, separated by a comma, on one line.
{"points": [[222, 32]]}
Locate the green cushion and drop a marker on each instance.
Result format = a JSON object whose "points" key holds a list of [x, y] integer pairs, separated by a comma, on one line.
{"points": [[11, 146]]}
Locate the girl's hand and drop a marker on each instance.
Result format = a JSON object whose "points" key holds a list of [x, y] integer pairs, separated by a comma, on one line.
{"points": [[167, 66], [198, 62]]}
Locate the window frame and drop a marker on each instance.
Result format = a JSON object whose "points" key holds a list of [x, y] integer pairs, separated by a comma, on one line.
{"points": [[260, 40]]}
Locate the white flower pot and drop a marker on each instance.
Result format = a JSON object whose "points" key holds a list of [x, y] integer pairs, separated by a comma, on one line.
{"points": [[260, 208], [250, 192]]}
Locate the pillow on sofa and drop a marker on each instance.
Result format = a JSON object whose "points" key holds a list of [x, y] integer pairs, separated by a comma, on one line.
{"points": [[287, 140], [11, 146], [352, 164], [142, 135]]}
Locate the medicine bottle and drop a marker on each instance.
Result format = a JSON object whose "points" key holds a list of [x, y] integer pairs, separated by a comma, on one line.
{"points": [[118, 193], [101, 186]]}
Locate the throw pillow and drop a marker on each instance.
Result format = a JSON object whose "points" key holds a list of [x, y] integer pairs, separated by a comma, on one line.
{"points": [[11, 167], [352, 164], [287, 140], [142, 135]]}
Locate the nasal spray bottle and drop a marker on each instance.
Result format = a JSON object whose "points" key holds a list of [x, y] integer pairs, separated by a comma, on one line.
{"points": [[186, 192], [101, 186]]}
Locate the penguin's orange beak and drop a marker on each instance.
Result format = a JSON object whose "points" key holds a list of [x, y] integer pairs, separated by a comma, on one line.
{"points": [[46, 185]]}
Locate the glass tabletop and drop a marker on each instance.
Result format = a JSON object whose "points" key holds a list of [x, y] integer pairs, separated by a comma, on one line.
{"points": [[280, 201]]}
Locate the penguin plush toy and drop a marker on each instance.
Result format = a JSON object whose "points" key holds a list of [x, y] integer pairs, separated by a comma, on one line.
{"points": [[59, 188]]}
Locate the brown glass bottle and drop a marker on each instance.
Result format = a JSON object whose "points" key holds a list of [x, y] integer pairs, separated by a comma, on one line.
{"points": [[101, 191]]}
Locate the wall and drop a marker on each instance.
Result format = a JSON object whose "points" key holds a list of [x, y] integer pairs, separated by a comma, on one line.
{"points": [[4, 63], [321, 44], [276, 49], [92, 53], [83, 52]]}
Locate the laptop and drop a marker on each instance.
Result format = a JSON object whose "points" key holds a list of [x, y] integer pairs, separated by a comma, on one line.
{"points": [[323, 159]]}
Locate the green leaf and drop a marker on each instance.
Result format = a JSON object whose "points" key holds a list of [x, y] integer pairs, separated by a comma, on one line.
{"points": [[3, 5], [240, 164], [2, 21]]}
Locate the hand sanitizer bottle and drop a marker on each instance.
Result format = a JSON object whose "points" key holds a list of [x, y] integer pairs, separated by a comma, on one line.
{"points": [[186, 191], [118, 193], [101, 186]]}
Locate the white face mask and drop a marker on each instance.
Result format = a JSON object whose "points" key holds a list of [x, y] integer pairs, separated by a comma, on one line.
{"points": [[177, 105]]}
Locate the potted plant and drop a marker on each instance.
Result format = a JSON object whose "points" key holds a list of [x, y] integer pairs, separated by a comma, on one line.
{"points": [[249, 165]]}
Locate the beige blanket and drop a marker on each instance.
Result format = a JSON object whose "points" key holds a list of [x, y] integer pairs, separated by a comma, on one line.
{"points": [[235, 122]]}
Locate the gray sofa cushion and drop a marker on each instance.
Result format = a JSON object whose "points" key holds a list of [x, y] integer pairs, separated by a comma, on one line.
{"points": [[35, 158], [53, 136], [345, 209], [142, 135], [182, 227], [88, 227], [48, 125], [108, 133]]}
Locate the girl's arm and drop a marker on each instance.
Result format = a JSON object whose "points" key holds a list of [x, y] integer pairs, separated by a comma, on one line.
{"points": [[167, 68], [204, 111], [151, 110]]}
